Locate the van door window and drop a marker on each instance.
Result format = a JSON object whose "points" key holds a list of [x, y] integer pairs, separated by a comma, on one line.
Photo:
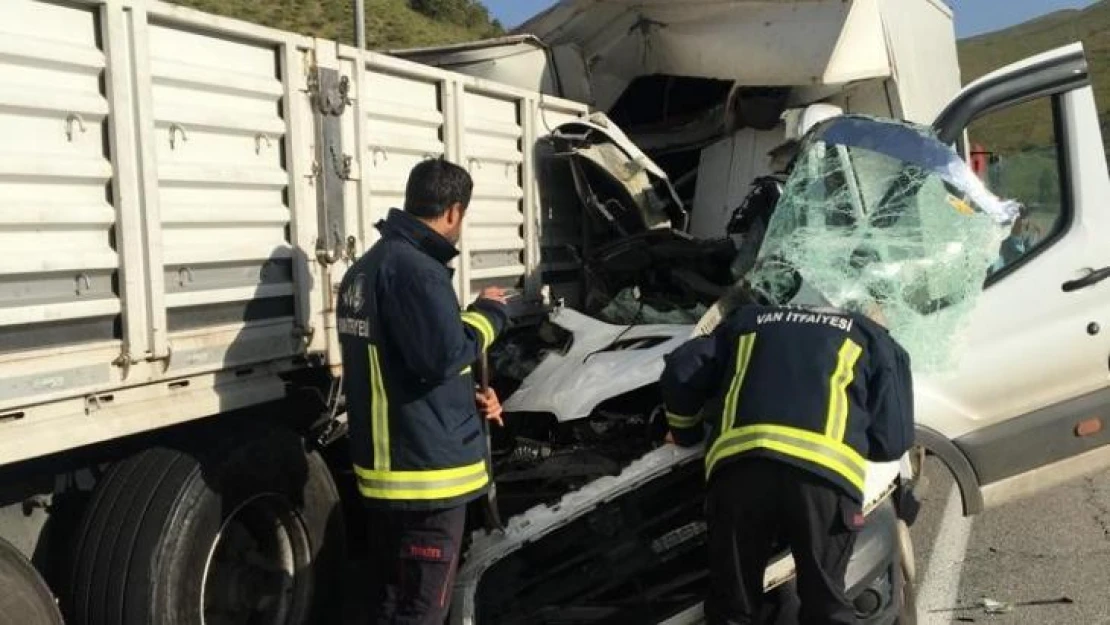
{"points": [[1017, 152]]}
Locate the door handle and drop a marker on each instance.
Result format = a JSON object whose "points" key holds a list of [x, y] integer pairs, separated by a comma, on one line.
{"points": [[1092, 278]]}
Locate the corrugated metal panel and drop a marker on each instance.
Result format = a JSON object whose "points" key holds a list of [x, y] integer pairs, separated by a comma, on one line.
{"points": [[409, 112], [493, 142], [222, 187], [559, 217], [60, 264], [157, 183], [404, 124]]}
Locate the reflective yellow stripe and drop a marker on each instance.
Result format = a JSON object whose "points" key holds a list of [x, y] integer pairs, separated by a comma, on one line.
{"points": [[422, 485], [680, 422], [743, 357], [379, 413], [465, 371], [836, 419], [802, 444], [479, 322]]}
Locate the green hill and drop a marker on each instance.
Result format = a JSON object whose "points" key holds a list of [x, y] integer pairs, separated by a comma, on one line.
{"points": [[389, 23], [1025, 127]]}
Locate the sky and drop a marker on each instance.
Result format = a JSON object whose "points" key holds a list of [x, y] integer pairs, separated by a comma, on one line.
{"points": [[973, 17]]}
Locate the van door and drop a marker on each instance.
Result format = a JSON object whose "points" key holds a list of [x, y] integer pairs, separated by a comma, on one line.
{"points": [[1029, 405]]}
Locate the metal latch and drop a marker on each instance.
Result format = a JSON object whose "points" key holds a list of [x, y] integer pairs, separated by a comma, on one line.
{"points": [[331, 92]]}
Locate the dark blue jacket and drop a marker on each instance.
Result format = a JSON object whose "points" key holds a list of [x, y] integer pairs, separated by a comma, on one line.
{"points": [[416, 439], [822, 390]]}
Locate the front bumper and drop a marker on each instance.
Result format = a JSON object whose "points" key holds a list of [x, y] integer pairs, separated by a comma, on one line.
{"points": [[628, 549]]}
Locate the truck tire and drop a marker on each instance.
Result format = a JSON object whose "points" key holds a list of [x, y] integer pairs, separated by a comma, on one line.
{"points": [[25, 598], [250, 532]]}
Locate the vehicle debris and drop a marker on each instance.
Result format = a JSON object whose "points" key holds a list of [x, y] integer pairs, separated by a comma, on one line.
{"points": [[992, 606], [995, 607]]}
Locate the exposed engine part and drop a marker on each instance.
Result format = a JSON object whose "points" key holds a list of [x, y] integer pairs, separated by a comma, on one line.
{"points": [[520, 350], [575, 465], [528, 451], [671, 271], [537, 459]]}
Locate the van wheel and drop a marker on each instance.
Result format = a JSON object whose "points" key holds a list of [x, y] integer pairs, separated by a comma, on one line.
{"points": [[27, 599], [905, 586], [248, 533]]}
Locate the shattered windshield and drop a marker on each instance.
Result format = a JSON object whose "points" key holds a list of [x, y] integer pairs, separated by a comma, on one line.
{"points": [[880, 217]]}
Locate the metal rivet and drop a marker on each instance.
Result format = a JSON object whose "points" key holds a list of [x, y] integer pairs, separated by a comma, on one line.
{"points": [[1093, 328]]}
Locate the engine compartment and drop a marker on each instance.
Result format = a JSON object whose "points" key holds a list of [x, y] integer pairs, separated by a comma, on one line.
{"points": [[637, 267], [536, 458]]}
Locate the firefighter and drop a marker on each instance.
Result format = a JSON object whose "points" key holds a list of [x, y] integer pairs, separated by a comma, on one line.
{"points": [[795, 401], [416, 438]]}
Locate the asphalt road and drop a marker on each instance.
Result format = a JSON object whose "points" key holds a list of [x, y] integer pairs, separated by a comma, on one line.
{"points": [[1048, 556]]}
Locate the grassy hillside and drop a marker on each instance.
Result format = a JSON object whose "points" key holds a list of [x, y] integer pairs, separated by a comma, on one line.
{"points": [[1026, 127], [389, 23]]}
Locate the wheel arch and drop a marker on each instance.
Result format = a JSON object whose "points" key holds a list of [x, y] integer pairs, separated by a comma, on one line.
{"points": [[971, 494]]}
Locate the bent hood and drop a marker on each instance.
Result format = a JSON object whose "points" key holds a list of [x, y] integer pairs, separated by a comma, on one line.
{"points": [[604, 361]]}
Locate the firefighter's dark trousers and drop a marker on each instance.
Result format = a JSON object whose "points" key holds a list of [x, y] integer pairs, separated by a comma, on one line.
{"points": [[413, 559], [753, 502]]}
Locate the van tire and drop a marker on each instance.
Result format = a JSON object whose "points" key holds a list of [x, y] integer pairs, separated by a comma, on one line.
{"points": [[26, 598], [253, 526]]}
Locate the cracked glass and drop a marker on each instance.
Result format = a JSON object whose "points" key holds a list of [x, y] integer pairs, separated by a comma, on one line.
{"points": [[881, 218]]}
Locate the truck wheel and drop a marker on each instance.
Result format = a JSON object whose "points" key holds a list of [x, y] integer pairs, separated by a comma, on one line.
{"points": [[26, 599], [247, 533], [905, 585]]}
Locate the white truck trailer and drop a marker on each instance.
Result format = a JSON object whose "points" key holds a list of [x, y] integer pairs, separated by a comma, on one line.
{"points": [[180, 194]]}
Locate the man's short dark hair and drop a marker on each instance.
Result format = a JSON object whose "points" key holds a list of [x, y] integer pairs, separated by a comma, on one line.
{"points": [[434, 185]]}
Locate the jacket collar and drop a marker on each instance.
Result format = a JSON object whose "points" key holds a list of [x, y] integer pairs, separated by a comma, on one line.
{"points": [[403, 225]]}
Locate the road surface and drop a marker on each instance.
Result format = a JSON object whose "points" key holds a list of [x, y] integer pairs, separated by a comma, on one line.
{"points": [[1050, 553]]}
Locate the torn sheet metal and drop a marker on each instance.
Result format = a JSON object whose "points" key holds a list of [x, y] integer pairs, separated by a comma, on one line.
{"points": [[878, 215], [604, 361], [601, 142]]}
